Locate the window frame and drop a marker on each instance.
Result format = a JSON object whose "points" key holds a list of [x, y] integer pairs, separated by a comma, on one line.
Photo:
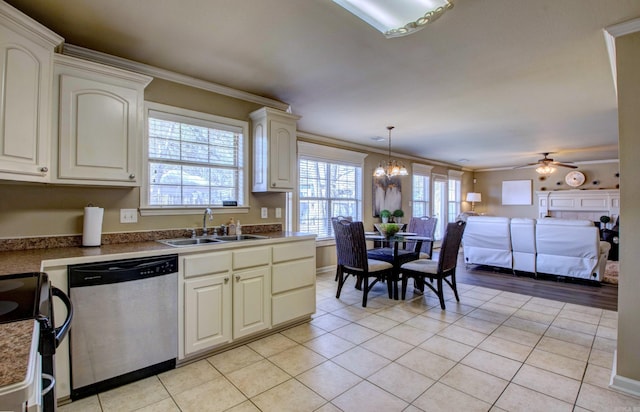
{"points": [[455, 178], [199, 118], [330, 155], [423, 171]]}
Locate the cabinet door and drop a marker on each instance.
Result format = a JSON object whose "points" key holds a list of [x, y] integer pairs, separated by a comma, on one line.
{"points": [[25, 105], [283, 153], [98, 130], [207, 312], [251, 301]]}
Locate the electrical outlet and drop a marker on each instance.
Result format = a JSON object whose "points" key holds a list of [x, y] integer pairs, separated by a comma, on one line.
{"points": [[278, 213], [128, 215], [264, 213]]}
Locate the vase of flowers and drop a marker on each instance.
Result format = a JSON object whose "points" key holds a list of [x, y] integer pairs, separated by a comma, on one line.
{"points": [[388, 229], [385, 215], [398, 214]]}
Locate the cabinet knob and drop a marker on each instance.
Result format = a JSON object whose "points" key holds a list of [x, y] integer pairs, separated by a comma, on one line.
{"points": [[226, 279], [44, 169], [237, 278], [132, 176]]}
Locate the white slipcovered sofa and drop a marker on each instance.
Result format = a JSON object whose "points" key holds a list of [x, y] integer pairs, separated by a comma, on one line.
{"points": [[559, 247]]}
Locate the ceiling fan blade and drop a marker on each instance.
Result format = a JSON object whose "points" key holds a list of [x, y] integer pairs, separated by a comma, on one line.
{"points": [[527, 165], [564, 165]]}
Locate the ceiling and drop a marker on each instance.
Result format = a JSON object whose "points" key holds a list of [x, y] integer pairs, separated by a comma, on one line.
{"points": [[494, 82]]}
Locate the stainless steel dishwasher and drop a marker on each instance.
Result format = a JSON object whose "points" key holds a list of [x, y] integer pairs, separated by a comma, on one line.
{"points": [[126, 322]]}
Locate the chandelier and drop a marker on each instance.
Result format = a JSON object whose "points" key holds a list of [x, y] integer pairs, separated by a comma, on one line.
{"points": [[398, 17], [390, 168]]}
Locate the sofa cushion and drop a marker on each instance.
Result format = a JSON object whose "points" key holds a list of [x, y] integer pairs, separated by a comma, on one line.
{"points": [[564, 222], [523, 244], [487, 241]]}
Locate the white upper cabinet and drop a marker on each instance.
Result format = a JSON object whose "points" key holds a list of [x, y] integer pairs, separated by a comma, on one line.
{"points": [[26, 52], [274, 150], [99, 124]]}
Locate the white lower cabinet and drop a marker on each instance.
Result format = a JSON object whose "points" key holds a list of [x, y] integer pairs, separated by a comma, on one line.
{"points": [[233, 294], [207, 305], [293, 285], [251, 301]]}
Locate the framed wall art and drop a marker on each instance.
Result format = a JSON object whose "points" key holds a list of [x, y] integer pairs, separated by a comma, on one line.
{"points": [[517, 192]]}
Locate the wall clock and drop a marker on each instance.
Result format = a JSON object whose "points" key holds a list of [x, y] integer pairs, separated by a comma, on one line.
{"points": [[574, 178]]}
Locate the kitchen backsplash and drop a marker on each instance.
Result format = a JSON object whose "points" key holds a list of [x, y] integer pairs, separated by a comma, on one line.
{"points": [[49, 242]]}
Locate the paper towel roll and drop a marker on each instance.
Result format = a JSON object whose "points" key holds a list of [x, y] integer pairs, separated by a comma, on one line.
{"points": [[92, 231]]}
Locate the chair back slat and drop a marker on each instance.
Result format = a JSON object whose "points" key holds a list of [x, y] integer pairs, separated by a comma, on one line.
{"points": [[351, 247], [450, 246]]}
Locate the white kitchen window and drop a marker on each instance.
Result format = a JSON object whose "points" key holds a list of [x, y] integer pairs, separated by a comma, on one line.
{"points": [[194, 160], [330, 185]]}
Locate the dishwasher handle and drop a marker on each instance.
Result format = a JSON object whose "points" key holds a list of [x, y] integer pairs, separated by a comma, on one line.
{"points": [[121, 271]]}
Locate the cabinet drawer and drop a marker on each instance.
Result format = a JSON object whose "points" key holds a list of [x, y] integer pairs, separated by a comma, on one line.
{"points": [[246, 258], [291, 305], [293, 275], [206, 264], [293, 251]]}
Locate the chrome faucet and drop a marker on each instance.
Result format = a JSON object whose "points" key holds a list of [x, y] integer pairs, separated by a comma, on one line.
{"points": [[204, 220]]}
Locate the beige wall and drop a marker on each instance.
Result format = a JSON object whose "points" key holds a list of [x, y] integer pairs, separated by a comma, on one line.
{"points": [[489, 184], [42, 210], [628, 61]]}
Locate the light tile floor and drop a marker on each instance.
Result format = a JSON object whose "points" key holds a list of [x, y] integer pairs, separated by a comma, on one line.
{"points": [[493, 351]]}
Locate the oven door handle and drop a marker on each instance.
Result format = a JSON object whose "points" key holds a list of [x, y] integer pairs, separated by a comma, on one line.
{"points": [[61, 331]]}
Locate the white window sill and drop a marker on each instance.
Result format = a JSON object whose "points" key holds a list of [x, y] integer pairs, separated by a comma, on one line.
{"points": [[175, 211]]}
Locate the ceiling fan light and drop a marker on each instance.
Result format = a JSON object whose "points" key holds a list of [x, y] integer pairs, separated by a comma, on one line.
{"points": [[545, 170]]}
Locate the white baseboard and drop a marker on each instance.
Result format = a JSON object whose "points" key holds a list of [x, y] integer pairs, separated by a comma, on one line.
{"points": [[325, 269], [621, 383]]}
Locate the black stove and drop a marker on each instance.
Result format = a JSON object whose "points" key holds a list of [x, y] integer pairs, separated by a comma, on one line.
{"points": [[26, 296], [21, 296]]}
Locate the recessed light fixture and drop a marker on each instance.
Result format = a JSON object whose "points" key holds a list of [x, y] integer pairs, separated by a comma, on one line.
{"points": [[378, 139], [399, 17], [463, 161]]}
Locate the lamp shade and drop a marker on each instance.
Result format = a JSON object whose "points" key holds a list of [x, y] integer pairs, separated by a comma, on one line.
{"points": [[474, 197]]}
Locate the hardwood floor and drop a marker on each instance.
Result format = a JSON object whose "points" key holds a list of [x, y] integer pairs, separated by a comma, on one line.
{"points": [[604, 296]]}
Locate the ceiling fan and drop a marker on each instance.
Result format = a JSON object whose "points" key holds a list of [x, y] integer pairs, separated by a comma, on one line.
{"points": [[547, 162]]}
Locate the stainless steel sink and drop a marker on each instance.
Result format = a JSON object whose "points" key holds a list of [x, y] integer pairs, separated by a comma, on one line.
{"points": [[189, 241], [183, 242], [232, 238]]}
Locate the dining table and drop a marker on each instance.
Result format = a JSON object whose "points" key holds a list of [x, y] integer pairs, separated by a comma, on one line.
{"points": [[392, 252]]}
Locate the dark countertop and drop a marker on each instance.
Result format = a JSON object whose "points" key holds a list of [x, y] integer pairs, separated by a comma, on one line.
{"points": [[23, 261], [15, 351]]}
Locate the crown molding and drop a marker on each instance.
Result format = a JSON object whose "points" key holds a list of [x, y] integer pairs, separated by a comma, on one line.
{"points": [[314, 138], [16, 19], [122, 63], [610, 34], [586, 162]]}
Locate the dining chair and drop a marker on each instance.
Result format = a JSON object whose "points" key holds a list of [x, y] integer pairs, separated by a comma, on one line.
{"points": [[333, 222], [351, 251], [424, 226], [439, 270]]}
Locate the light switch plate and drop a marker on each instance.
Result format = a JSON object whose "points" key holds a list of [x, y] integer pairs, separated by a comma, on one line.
{"points": [[264, 213], [278, 213], [128, 215]]}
